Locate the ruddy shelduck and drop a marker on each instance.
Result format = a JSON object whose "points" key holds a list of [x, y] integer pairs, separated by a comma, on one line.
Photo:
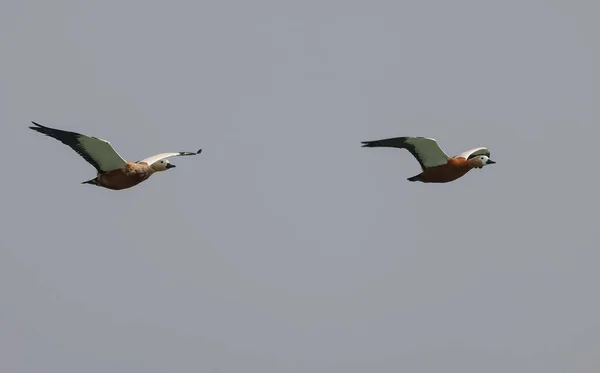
{"points": [[437, 166], [113, 172]]}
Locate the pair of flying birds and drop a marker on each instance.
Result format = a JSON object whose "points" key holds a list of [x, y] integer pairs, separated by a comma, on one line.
{"points": [[114, 172]]}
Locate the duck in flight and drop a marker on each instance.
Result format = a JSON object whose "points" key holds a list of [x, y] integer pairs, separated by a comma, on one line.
{"points": [[437, 166], [113, 172]]}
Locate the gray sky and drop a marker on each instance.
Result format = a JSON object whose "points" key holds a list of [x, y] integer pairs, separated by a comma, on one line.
{"points": [[285, 246]]}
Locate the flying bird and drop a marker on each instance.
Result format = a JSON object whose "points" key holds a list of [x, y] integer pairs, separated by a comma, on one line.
{"points": [[437, 166], [113, 172]]}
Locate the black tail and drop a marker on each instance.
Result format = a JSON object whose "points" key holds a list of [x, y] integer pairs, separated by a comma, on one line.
{"points": [[415, 178], [94, 181]]}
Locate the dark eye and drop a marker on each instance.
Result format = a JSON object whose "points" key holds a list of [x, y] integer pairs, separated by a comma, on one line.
{"points": [[162, 161]]}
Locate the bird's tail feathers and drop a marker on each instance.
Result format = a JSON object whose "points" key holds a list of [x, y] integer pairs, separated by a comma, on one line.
{"points": [[93, 181]]}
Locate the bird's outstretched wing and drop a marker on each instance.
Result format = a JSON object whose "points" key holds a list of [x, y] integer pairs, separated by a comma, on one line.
{"points": [[473, 153], [160, 156], [426, 150], [99, 153]]}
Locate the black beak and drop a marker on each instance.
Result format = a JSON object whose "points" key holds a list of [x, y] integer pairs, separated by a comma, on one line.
{"points": [[489, 161], [169, 165]]}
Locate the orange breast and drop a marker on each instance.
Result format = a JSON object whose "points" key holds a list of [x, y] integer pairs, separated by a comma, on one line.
{"points": [[124, 178], [455, 168]]}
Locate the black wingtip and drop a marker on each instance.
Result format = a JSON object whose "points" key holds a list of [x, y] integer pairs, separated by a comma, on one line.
{"points": [[37, 124], [199, 151], [40, 128]]}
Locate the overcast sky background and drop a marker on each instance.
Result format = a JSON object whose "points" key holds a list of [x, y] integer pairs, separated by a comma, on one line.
{"points": [[285, 246]]}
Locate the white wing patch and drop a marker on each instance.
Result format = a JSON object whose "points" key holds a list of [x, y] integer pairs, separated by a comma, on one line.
{"points": [[97, 152], [428, 151], [160, 156], [102, 152], [473, 152]]}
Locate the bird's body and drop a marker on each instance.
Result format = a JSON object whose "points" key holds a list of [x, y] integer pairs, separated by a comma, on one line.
{"points": [[113, 172], [436, 165], [123, 178]]}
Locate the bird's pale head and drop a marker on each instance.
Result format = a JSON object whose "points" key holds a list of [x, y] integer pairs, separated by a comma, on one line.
{"points": [[162, 165], [480, 161]]}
